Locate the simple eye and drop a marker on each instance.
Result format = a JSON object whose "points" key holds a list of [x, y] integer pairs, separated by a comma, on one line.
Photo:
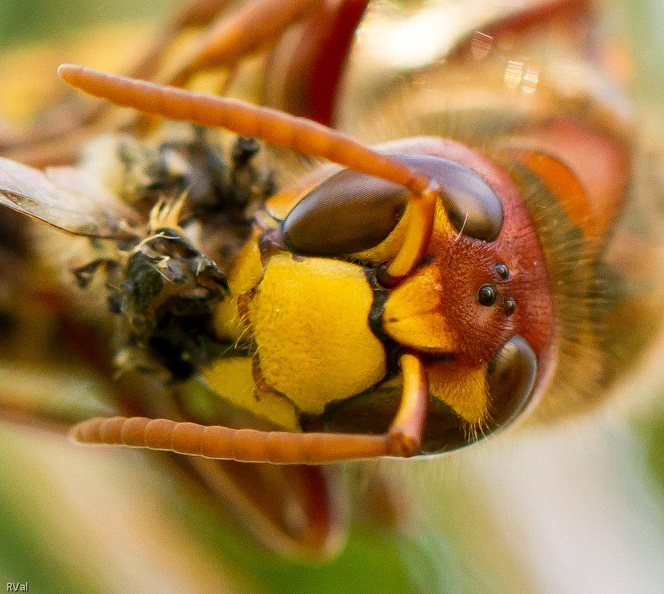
{"points": [[348, 212], [510, 306], [502, 271], [486, 295]]}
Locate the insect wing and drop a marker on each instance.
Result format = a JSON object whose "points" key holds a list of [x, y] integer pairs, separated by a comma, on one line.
{"points": [[66, 199]]}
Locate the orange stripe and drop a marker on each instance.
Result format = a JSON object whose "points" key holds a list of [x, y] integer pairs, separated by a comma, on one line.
{"points": [[563, 184]]}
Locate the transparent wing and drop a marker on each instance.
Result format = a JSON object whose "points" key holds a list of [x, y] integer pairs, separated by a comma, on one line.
{"points": [[67, 199]]}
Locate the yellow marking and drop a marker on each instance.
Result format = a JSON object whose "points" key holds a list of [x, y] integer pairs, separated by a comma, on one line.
{"points": [[246, 274], [309, 318], [462, 388], [233, 380], [413, 315]]}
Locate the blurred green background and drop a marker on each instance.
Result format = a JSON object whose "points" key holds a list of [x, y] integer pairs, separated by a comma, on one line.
{"points": [[24, 21]]}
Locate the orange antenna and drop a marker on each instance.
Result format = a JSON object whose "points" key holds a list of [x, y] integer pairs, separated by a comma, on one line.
{"points": [[278, 128], [243, 445], [278, 447]]}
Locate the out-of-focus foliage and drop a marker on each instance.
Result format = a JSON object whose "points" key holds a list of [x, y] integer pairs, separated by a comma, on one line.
{"points": [[23, 21], [638, 24]]}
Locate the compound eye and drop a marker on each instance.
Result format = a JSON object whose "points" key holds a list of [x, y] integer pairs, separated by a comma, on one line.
{"points": [[511, 379], [347, 213], [350, 212], [474, 208]]}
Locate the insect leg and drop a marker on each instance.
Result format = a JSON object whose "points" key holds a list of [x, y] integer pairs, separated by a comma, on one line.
{"points": [[225, 42], [257, 25], [196, 14], [277, 128]]}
